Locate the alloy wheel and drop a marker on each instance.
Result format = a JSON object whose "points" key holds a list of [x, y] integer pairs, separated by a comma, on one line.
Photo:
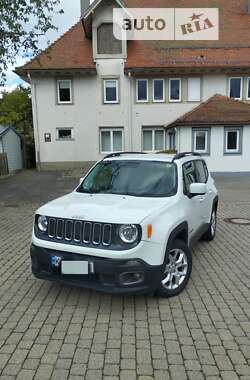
{"points": [[176, 269]]}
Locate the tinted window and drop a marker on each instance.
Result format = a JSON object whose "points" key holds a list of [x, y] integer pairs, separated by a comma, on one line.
{"points": [[189, 175], [200, 172], [132, 177]]}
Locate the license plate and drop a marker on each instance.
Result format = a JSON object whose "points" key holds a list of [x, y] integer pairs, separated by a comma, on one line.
{"points": [[75, 267]]}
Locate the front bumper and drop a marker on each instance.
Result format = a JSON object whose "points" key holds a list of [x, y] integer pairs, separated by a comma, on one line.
{"points": [[105, 273]]}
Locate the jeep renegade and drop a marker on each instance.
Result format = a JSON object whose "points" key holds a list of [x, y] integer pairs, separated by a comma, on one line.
{"points": [[129, 226]]}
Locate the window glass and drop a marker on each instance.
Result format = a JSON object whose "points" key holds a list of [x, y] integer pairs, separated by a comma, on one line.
{"points": [[200, 172], [189, 175], [175, 89], [200, 140], [235, 88], [159, 140], [133, 178], [106, 41], [106, 141], [111, 91], [64, 134], [142, 90], [64, 91], [111, 140], [158, 90], [248, 88], [117, 141], [194, 89], [147, 140], [232, 140]]}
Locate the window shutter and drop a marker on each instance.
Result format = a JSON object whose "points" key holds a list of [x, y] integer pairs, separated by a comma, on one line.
{"points": [[194, 89]]}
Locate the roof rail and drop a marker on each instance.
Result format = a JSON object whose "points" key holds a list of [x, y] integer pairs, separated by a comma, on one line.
{"points": [[185, 154], [111, 155]]}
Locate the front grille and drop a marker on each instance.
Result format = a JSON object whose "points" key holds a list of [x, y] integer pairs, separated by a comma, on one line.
{"points": [[80, 232]]}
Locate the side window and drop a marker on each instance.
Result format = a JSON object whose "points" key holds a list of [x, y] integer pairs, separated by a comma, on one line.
{"points": [[189, 175], [201, 175]]}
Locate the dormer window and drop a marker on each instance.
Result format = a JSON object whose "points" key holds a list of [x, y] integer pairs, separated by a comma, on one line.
{"points": [[107, 44]]}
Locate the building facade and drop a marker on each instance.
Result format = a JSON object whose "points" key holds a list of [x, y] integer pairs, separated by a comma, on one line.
{"points": [[93, 94]]}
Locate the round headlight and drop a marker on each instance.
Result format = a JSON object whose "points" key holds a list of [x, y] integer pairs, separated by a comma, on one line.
{"points": [[128, 233], [42, 223]]}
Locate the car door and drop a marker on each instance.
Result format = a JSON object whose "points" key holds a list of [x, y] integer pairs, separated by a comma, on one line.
{"points": [[205, 200], [192, 203]]}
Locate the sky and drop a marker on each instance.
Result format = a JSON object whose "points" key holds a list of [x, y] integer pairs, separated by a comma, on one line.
{"points": [[63, 22]]}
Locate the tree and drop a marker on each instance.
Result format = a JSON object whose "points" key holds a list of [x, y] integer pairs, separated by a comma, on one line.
{"points": [[16, 111], [22, 23]]}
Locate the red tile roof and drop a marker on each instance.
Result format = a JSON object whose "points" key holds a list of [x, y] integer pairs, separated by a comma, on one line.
{"points": [[71, 51], [218, 110], [74, 51]]}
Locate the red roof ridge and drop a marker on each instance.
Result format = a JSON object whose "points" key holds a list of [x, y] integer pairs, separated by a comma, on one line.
{"points": [[51, 45]]}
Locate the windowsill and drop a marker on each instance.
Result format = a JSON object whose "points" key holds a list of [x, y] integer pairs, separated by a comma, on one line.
{"points": [[65, 140], [159, 101], [107, 103], [233, 153], [175, 101], [142, 101], [64, 103]]}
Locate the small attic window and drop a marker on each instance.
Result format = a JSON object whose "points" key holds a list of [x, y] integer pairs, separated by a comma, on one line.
{"points": [[106, 41]]}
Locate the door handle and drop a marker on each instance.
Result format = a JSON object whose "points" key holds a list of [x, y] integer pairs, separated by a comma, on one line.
{"points": [[202, 199]]}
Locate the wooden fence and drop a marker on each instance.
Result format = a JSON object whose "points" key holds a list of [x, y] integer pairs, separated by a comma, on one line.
{"points": [[4, 170]]}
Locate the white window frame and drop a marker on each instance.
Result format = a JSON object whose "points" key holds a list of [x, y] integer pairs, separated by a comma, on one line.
{"points": [[58, 91], [169, 91], [202, 151], [248, 87], [117, 91], [241, 87], [64, 139], [153, 130], [237, 150], [144, 100], [111, 131], [189, 97], [164, 91]]}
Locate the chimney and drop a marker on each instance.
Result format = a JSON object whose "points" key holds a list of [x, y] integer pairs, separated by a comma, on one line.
{"points": [[85, 4]]}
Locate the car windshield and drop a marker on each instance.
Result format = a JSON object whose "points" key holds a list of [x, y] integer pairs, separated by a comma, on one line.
{"points": [[132, 177]]}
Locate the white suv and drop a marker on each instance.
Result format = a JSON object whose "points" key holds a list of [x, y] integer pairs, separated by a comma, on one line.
{"points": [[129, 226]]}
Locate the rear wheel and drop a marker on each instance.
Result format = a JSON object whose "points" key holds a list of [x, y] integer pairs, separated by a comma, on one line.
{"points": [[211, 232], [177, 270]]}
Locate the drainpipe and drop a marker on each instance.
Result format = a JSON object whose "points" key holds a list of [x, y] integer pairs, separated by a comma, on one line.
{"points": [[130, 111], [35, 121]]}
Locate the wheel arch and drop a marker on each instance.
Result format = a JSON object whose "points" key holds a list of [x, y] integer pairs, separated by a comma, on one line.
{"points": [[180, 232]]}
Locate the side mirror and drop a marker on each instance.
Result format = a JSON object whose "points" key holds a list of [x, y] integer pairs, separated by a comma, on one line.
{"points": [[198, 188]]}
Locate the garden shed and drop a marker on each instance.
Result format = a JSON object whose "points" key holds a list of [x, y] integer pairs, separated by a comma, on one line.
{"points": [[11, 158]]}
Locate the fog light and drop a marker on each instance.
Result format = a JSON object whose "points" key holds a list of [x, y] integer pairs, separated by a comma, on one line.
{"points": [[131, 278]]}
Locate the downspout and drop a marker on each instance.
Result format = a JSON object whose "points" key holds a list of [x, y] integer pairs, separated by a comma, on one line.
{"points": [[130, 111], [35, 121]]}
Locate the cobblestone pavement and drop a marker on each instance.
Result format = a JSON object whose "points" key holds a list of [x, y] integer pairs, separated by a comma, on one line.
{"points": [[50, 331]]}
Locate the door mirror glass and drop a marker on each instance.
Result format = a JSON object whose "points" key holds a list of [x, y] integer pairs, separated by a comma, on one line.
{"points": [[198, 188]]}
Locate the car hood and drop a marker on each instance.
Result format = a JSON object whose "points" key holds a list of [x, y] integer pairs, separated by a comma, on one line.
{"points": [[107, 208]]}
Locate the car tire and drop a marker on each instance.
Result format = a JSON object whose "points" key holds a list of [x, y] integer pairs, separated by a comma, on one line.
{"points": [[177, 268], [211, 232]]}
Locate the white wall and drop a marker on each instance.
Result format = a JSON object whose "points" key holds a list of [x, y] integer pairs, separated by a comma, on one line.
{"points": [[217, 161]]}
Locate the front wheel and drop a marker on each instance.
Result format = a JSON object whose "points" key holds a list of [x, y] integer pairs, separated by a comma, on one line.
{"points": [[211, 232], [177, 270]]}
